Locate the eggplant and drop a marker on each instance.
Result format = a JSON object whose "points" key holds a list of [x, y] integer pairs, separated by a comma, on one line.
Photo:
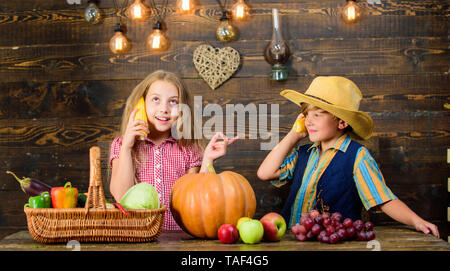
{"points": [[31, 186]]}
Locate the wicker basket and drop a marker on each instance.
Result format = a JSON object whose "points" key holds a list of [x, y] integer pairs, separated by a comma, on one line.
{"points": [[94, 223]]}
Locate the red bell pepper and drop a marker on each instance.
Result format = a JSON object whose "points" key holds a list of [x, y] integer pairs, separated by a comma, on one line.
{"points": [[64, 197]]}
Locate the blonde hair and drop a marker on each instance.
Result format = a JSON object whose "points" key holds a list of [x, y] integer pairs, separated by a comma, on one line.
{"points": [[141, 90]]}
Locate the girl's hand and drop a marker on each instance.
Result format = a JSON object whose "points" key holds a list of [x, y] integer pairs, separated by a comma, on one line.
{"points": [[216, 149], [296, 135], [134, 129], [426, 227]]}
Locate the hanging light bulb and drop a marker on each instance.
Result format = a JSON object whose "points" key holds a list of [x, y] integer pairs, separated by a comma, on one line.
{"points": [[138, 11], [119, 44], [240, 11], [92, 12], [226, 32], [157, 41], [186, 6], [277, 52], [351, 12]]}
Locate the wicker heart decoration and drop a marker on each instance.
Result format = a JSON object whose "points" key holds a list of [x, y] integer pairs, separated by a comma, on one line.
{"points": [[216, 65]]}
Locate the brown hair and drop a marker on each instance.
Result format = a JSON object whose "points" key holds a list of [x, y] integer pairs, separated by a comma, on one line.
{"points": [[309, 107]]}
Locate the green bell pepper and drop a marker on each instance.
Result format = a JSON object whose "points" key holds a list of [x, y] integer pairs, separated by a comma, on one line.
{"points": [[42, 201]]}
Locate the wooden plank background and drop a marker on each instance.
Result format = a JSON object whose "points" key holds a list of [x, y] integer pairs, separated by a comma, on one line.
{"points": [[62, 90]]}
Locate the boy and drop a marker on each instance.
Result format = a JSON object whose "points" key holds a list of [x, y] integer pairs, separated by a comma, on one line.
{"points": [[335, 173]]}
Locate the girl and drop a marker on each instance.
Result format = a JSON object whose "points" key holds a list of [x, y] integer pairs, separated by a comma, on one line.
{"points": [[159, 159]]}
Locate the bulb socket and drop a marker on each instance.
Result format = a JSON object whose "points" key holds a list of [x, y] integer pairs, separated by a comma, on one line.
{"points": [[118, 28], [157, 25], [225, 15]]}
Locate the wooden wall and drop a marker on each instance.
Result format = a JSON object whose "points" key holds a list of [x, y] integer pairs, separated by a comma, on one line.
{"points": [[62, 90]]}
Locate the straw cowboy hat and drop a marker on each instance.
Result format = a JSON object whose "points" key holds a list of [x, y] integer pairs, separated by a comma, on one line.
{"points": [[338, 96]]}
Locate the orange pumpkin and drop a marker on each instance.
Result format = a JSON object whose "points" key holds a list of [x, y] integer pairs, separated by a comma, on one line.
{"points": [[201, 202]]}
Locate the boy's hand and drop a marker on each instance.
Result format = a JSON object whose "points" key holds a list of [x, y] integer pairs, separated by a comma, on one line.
{"points": [[426, 227], [216, 149], [293, 133]]}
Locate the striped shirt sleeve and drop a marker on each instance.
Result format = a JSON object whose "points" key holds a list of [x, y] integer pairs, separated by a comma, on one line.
{"points": [[370, 183], [287, 169]]}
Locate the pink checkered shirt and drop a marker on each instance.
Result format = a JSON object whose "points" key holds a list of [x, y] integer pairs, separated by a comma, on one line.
{"points": [[163, 165]]}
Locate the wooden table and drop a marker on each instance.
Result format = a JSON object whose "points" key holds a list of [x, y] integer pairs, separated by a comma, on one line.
{"points": [[388, 238]]}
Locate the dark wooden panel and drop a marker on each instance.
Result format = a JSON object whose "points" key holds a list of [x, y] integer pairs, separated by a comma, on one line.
{"points": [[21, 100], [316, 57], [299, 20], [45, 133]]}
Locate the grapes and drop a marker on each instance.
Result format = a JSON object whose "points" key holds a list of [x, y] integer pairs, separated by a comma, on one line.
{"points": [[342, 233], [314, 213], [295, 229], [348, 223], [301, 237], [334, 238], [331, 228], [336, 216], [368, 226], [318, 219], [370, 235], [326, 221], [351, 232], [361, 236], [316, 229], [358, 224], [308, 223]]}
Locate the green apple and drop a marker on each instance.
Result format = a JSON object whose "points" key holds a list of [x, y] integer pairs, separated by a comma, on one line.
{"points": [[251, 231], [242, 219]]}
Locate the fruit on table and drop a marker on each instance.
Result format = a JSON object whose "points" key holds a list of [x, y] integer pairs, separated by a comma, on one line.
{"points": [[274, 226], [30, 186], [141, 114], [201, 202], [329, 228], [242, 219], [228, 234], [251, 231]]}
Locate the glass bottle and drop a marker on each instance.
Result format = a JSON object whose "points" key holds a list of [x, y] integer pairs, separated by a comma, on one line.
{"points": [[92, 13], [277, 52]]}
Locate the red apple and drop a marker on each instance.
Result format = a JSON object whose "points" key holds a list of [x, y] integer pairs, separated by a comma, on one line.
{"points": [[274, 226], [228, 233]]}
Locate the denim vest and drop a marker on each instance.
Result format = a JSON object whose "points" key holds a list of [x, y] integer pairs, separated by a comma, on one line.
{"points": [[336, 185]]}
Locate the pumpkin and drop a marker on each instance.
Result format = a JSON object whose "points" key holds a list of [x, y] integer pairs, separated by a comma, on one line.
{"points": [[201, 202]]}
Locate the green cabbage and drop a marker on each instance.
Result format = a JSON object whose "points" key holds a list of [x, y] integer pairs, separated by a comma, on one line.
{"points": [[141, 196]]}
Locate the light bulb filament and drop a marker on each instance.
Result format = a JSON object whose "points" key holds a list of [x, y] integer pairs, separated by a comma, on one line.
{"points": [[240, 12], [351, 13], [185, 5], [137, 12], [156, 43]]}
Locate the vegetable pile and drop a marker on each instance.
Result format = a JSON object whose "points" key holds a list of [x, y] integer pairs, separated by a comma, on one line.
{"points": [[43, 195]]}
